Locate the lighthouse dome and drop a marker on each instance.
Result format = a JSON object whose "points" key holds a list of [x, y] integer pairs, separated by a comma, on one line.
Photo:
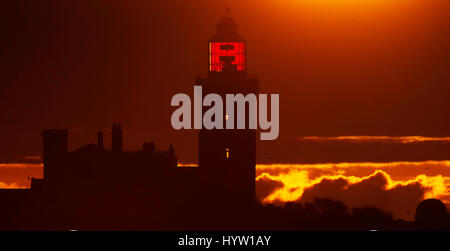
{"points": [[226, 30]]}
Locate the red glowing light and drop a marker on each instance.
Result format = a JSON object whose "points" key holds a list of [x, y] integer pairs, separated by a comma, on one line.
{"points": [[226, 55]]}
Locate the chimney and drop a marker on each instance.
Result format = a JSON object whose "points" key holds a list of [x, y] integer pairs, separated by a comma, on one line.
{"points": [[117, 138], [100, 139]]}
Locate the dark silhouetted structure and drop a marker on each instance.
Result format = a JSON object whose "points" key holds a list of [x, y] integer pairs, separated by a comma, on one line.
{"points": [[431, 214], [100, 139], [117, 145], [228, 157]]}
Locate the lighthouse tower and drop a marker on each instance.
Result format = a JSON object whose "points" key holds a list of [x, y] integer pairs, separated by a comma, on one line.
{"points": [[227, 157]]}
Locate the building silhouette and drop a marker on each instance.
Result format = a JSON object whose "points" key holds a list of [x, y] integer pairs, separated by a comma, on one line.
{"points": [[228, 157], [93, 168]]}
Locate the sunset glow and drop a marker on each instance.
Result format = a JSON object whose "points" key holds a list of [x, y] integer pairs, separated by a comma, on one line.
{"points": [[195, 116]]}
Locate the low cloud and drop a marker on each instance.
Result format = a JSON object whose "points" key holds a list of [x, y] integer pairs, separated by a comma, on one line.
{"points": [[378, 189], [265, 186]]}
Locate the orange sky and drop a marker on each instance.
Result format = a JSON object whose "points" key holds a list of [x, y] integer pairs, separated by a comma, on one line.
{"points": [[341, 67]]}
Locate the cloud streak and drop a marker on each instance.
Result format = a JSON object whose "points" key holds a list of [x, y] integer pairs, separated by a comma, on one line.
{"points": [[20, 165], [381, 139]]}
